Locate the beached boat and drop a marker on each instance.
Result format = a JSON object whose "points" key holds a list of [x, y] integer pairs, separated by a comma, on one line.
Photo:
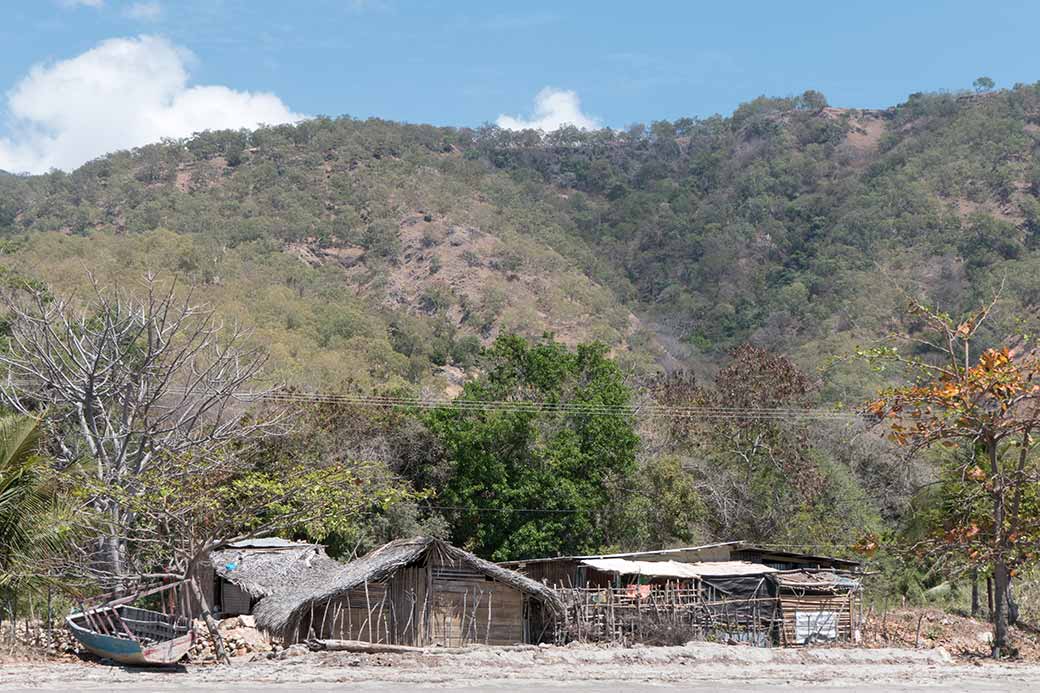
{"points": [[132, 635]]}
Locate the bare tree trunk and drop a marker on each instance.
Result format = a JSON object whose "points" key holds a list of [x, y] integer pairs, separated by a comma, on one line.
{"points": [[1000, 615], [110, 560], [1012, 605], [129, 377], [211, 623], [989, 599], [1000, 568], [975, 593]]}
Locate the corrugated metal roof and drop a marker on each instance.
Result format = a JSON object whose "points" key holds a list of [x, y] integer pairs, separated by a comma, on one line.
{"points": [[676, 569], [822, 580], [691, 551], [267, 543], [665, 552], [630, 554]]}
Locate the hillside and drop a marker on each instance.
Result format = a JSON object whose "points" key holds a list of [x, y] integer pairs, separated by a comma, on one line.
{"points": [[377, 253]]}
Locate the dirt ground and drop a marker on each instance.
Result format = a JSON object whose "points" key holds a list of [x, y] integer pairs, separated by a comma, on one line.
{"points": [[964, 638], [696, 667]]}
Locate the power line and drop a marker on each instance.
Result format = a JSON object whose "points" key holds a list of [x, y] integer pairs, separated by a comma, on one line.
{"points": [[527, 406], [559, 511], [517, 406]]}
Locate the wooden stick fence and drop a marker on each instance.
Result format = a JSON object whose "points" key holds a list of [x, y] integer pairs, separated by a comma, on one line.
{"points": [[671, 614]]}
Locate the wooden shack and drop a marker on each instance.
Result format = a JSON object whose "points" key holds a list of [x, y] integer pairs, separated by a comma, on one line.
{"points": [[419, 592], [244, 572], [730, 591], [817, 606]]}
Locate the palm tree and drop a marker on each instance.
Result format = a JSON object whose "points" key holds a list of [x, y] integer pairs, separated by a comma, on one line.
{"points": [[35, 520]]}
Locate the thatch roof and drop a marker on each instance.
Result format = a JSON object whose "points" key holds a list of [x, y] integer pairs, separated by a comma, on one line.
{"points": [[285, 608], [268, 566]]}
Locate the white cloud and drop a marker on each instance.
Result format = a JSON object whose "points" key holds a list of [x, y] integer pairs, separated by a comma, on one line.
{"points": [[144, 11], [553, 108], [122, 93], [84, 3]]}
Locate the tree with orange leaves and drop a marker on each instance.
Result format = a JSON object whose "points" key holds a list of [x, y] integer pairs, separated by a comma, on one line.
{"points": [[988, 404]]}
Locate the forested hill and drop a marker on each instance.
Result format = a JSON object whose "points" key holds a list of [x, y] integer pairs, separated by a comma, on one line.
{"points": [[376, 253]]}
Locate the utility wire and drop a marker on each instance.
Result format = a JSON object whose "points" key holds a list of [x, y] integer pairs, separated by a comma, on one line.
{"points": [[646, 410], [517, 406]]}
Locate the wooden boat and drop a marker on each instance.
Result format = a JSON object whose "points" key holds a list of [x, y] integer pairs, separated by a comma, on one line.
{"points": [[132, 635]]}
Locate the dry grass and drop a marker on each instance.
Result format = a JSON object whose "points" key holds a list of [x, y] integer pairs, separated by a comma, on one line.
{"points": [[961, 636]]}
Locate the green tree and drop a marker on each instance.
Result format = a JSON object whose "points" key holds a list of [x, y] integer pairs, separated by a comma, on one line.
{"points": [[36, 519], [534, 446], [983, 84]]}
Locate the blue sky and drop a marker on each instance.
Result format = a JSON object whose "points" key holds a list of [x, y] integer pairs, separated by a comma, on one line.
{"points": [[464, 63]]}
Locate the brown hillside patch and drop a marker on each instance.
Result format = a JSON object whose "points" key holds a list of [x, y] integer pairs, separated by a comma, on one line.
{"points": [[183, 180], [865, 133], [482, 284], [1005, 212], [865, 129], [201, 175], [315, 256]]}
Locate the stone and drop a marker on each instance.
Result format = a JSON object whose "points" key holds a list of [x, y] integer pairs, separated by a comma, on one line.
{"points": [[297, 650]]}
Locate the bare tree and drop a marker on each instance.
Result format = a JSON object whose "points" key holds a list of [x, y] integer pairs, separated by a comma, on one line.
{"points": [[129, 377]]}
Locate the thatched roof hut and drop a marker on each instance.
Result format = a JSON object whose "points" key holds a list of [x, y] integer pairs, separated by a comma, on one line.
{"points": [[415, 592], [253, 569]]}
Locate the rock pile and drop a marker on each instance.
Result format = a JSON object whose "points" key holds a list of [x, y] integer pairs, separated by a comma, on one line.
{"points": [[241, 639], [33, 641]]}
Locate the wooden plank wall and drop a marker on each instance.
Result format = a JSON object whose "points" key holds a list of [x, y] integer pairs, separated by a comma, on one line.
{"points": [[206, 578], [790, 604], [366, 613], [390, 612], [438, 603], [556, 572], [394, 612], [467, 607]]}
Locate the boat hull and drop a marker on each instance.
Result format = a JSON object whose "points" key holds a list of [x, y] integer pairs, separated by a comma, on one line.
{"points": [[127, 651]]}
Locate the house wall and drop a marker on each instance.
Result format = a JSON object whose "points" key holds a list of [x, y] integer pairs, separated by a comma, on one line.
{"points": [[823, 614], [441, 603], [785, 561], [361, 614], [554, 572], [467, 607], [234, 600], [206, 578]]}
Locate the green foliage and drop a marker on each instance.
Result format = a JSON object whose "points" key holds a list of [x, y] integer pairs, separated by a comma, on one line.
{"points": [[658, 506], [371, 255], [37, 520], [183, 508], [787, 222], [983, 84], [525, 482], [765, 480]]}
